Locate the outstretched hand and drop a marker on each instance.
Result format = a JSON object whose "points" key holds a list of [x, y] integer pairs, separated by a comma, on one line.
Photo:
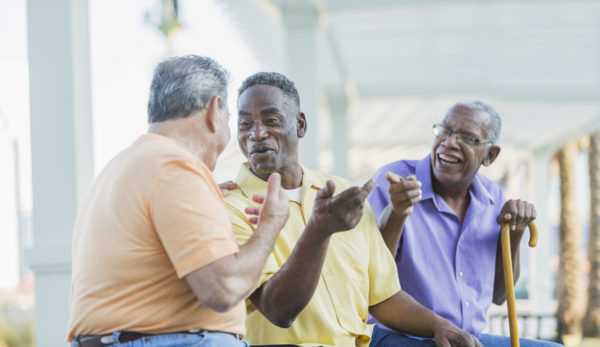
{"points": [[404, 193], [341, 212]]}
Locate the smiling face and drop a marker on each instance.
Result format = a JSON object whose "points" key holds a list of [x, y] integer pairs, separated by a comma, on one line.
{"points": [[454, 163], [269, 128]]}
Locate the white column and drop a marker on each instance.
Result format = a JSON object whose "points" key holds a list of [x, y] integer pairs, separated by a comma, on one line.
{"points": [[301, 20], [61, 146], [540, 282], [338, 106]]}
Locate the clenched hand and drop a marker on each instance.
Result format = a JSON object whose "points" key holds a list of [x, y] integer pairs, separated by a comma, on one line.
{"points": [[517, 213]]}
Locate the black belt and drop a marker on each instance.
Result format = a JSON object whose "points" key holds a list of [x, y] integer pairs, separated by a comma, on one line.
{"points": [[126, 336]]}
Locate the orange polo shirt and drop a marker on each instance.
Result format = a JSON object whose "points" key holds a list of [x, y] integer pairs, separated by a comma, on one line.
{"points": [[153, 216]]}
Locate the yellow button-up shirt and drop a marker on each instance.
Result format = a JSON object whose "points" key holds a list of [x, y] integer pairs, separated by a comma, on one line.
{"points": [[358, 272]]}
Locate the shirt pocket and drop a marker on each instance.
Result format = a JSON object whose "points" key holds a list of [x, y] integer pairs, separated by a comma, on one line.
{"points": [[346, 278]]}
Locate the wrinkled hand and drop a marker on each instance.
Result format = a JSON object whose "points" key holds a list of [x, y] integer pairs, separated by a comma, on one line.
{"points": [[341, 212], [518, 213], [275, 207], [404, 193], [225, 187], [447, 334]]}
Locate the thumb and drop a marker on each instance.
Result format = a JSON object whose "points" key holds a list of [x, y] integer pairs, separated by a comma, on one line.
{"points": [[327, 191], [392, 177], [503, 218], [411, 177], [273, 184]]}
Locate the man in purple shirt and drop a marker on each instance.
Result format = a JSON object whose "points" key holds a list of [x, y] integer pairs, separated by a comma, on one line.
{"points": [[441, 220]]}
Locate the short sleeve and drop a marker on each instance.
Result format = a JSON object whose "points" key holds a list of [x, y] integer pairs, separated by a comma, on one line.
{"points": [[243, 230], [383, 275], [189, 217]]}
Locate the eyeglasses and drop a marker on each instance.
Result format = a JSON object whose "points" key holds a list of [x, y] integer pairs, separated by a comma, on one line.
{"points": [[442, 132]]}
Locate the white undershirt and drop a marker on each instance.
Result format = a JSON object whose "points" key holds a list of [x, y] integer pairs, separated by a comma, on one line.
{"points": [[294, 194]]}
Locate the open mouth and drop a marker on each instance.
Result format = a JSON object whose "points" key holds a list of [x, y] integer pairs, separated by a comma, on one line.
{"points": [[261, 150], [447, 159]]}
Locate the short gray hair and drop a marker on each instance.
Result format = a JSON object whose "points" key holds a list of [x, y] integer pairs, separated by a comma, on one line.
{"points": [[183, 85], [480, 105], [274, 79]]}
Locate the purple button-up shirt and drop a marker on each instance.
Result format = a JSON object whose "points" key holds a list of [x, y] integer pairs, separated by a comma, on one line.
{"points": [[446, 266]]}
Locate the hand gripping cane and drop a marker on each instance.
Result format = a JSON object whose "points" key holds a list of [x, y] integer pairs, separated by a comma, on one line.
{"points": [[508, 277]]}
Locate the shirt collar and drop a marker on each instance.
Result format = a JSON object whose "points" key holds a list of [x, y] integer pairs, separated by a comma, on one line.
{"points": [[423, 173], [251, 184], [480, 192]]}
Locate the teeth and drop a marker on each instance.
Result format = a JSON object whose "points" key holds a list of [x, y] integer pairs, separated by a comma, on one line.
{"points": [[447, 158]]}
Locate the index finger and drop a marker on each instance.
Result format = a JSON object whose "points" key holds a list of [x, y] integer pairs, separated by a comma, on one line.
{"points": [[229, 185], [352, 195], [405, 185], [258, 198], [368, 186], [392, 177]]}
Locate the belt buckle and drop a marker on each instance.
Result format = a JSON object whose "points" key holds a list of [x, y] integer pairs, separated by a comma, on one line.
{"points": [[107, 339]]}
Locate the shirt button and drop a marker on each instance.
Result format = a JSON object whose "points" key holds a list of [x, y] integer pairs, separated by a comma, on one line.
{"points": [[467, 304], [460, 274]]}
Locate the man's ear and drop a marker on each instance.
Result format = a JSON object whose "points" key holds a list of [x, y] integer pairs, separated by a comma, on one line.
{"points": [[491, 155], [212, 111], [301, 125]]}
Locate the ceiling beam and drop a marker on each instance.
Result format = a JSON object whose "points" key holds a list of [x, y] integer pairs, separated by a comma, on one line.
{"points": [[338, 6], [506, 93], [569, 132]]}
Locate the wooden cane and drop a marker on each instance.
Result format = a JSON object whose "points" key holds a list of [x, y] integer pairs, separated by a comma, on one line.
{"points": [[508, 278]]}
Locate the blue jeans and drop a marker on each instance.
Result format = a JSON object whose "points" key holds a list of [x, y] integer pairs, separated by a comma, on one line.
{"points": [[203, 339], [388, 338], [504, 341]]}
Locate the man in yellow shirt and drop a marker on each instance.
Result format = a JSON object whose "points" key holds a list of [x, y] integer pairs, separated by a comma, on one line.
{"points": [[330, 267], [154, 260]]}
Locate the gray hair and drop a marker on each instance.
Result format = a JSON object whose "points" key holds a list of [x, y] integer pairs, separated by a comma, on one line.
{"points": [[480, 105], [274, 79], [183, 85]]}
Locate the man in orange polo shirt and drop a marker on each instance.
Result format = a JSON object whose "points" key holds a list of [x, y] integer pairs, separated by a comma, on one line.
{"points": [[154, 259]]}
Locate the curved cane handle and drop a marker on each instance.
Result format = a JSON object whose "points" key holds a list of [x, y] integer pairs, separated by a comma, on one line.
{"points": [[533, 233]]}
